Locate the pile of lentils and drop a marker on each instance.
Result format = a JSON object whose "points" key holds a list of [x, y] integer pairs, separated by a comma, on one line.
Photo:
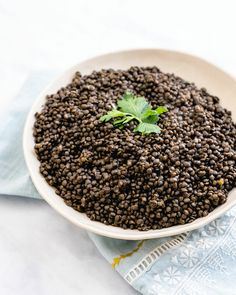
{"points": [[127, 179]]}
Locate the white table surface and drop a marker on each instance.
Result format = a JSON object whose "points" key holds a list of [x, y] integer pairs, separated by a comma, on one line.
{"points": [[40, 252]]}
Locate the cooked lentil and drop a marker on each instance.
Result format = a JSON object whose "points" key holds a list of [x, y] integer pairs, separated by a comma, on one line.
{"points": [[123, 178]]}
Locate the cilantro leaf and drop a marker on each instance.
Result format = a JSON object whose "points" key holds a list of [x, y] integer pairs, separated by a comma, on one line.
{"points": [[132, 107], [146, 128], [111, 114], [123, 120], [160, 110], [151, 119], [150, 116]]}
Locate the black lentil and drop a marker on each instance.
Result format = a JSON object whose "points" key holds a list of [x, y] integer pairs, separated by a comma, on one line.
{"points": [[123, 178]]}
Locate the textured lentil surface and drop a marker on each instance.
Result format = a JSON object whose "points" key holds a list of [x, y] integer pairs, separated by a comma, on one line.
{"points": [[122, 178]]}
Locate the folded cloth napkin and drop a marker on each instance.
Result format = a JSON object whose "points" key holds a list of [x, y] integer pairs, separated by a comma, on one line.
{"points": [[199, 262]]}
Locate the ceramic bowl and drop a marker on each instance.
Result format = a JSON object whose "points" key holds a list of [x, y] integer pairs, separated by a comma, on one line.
{"points": [[188, 67]]}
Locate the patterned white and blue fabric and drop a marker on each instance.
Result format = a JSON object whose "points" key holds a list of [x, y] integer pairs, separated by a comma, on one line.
{"points": [[201, 262]]}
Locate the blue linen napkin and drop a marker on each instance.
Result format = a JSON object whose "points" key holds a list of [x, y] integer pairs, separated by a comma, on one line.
{"points": [[199, 262]]}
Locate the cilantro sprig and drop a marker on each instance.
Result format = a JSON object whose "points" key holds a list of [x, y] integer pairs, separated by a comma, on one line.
{"points": [[132, 107]]}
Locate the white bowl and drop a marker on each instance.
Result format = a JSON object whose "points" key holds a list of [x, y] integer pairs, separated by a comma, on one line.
{"points": [[189, 67]]}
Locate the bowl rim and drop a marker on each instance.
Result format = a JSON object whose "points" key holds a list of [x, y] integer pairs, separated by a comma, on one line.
{"points": [[92, 226]]}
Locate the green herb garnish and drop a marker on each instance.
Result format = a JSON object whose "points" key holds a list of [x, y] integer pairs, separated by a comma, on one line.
{"points": [[132, 107]]}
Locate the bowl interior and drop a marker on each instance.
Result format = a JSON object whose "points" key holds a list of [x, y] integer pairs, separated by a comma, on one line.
{"points": [[188, 67]]}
